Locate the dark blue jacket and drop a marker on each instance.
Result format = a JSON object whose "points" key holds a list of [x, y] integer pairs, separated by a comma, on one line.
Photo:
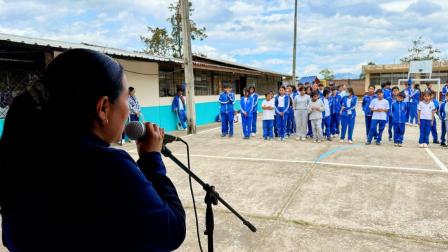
{"points": [[226, 101], [366, 100], [398, 110], [175, 105], [442, 112], [92, 197], [415, 96], [285, 105], [444, 92], [335, 104], [254, 97]]}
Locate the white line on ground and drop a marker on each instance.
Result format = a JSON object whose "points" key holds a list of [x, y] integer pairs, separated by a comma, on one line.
{"points": [[438, 162], [201, 132], [360, 166]]}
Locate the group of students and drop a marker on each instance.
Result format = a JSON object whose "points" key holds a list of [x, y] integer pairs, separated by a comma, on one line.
{"points": [[313, 111]]}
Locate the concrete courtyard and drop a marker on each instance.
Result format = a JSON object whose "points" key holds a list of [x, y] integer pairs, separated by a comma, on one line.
{"points": [[304, 196]]}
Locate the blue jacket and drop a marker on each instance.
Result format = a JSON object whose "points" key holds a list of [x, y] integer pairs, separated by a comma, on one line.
{"points": [[391, 100], [366, 100], [285, 107], [226, 101], [176, 102], [352, 106], [399, 111], [442, 112], [335, 104], [255, 102], [387, 93], [415, 96], [247, 106], [444, 92]]}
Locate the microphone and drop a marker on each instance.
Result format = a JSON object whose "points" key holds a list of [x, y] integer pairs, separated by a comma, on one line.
{"points": [[137, 130]]}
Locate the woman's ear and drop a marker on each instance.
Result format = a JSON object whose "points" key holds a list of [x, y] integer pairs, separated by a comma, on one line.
{"points": [[102, 109]]}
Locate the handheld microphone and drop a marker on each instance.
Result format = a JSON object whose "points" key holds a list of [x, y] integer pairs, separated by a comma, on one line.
{"points": [[137, 130]]}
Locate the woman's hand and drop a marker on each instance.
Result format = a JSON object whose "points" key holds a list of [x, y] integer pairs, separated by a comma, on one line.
{"points": [[153, 139]]}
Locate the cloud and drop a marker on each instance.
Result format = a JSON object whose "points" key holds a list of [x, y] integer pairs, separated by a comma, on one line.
{"points": [[424, 7]]}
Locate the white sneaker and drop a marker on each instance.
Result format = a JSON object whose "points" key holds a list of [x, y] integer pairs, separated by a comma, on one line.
{"points": [[319, 141], [315, 141], [341, 141], [421, 145], [350, 141], [303, 138], [253, 134], [298, 138], [425, 146]]}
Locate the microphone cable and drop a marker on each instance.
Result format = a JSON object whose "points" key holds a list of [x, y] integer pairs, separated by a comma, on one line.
{"points": [[192, 194]]}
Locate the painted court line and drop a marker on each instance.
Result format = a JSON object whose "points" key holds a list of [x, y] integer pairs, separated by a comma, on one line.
{"points": [[437, 160], [361, 166]]}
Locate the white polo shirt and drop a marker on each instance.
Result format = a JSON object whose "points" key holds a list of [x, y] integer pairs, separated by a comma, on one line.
{"points": [[426, 110], [379, 104]]}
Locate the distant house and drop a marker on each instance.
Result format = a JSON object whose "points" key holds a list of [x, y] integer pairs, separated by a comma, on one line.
{"points": [[309, 79]]}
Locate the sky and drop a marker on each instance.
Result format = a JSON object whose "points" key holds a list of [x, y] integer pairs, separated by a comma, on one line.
{"points": [[340, 35]]}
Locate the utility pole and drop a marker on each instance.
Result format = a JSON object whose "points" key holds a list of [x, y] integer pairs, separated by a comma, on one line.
{"points": [[188, 65], [295, 46]]}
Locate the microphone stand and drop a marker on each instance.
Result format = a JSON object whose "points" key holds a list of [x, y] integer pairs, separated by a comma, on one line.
{"points": [[211, 198]]}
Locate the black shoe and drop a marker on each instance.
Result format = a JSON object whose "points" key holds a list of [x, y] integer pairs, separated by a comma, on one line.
{"points": [[443, 145], [378, 143], [436, 142], [368, 143]]}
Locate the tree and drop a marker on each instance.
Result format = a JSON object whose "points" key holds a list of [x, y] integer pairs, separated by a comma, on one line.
{"points": [[171, 44], [327, 74], [420, 50]]}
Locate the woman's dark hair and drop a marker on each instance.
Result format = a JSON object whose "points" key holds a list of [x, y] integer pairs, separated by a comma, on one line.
{"points": [[326, 92], [314, 93], [301, 88], [130, 89], [372, 86], [72, 83], [351, 91]]}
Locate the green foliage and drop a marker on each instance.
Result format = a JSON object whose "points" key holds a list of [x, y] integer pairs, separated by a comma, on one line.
{"points": [[327, 74], [420, 50], [164, 43]]}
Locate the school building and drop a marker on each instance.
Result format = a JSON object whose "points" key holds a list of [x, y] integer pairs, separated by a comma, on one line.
{"points": [[377, 74], [155, 78]]}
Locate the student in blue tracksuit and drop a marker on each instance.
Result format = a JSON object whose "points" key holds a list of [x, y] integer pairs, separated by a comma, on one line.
{"points": [[415, 99], [391, 100], [321, 90], [434, 133], [386, 90], [253, 124], [442, 115], [407, 98], [308, 91], [326, 115], [379, 107], [227, 99], [444, 91], [426, 112], [398, 111], [335, 107], [281, 108], [366, 100], [247, 106], [348, 115], [178, 107], [290, 128]]}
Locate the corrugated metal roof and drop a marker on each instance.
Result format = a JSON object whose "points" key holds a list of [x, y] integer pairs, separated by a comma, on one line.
{"points": [[69, 45], [124, 53], [309, 79]]}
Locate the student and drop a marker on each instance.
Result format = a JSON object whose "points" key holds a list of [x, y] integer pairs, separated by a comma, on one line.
{"points": [[178, 107], [247, 106], [268, 107], [254, 96], [429, 87], [407, 94], [281, 108], [315, 87], [227, 99], [391, 100], [366, 100], [290, 129], [444, 91], [386, 90], [326, 115], [321, 90], [301, 103], [335, 107], [348, 115], [442, 114], [379, 107], [342, 90], [435, 137], [315, 109], [426, 111], [398, 112], [415, 99], [310, 129]]}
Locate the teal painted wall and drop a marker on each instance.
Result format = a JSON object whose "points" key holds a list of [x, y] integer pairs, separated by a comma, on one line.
{"points": [[2, 121], [165, 118]]}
